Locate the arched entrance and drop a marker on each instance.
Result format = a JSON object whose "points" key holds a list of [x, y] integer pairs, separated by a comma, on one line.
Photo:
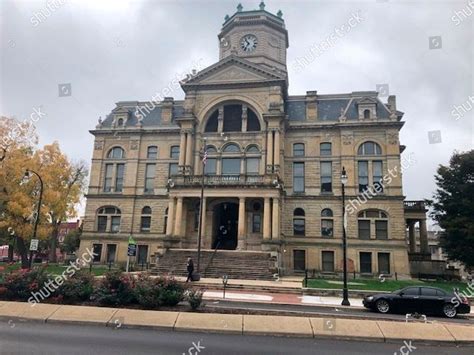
{"points": [[226, 217]]}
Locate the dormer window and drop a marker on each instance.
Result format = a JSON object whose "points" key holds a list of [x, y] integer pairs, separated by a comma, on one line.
{"points": [[366, 114], [367, 108]]}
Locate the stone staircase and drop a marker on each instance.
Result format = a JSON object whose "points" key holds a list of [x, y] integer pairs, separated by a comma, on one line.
{"points": [[244, 265]]}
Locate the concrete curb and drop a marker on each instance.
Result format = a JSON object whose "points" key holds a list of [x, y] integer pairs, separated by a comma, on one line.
{"points": [[285, 326]]}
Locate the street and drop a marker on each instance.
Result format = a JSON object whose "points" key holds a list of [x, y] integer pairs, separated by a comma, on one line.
{"points": [[40, 338]]}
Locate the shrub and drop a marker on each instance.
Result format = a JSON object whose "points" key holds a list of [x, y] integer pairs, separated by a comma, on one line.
{"points": [[194, 297], [161, 291], [115, 289], [77, 288], [21, 284]]}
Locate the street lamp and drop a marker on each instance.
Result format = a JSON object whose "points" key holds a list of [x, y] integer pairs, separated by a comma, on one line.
{"points": [[345, 292], [201, 204], [26, 177]]}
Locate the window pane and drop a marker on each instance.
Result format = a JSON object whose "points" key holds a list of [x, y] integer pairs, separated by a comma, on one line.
{"points": [[230, 166], [150, 177], [211, 166], [326, 176], [174, 153], [109, 168], [431, 292], [115, 224], [363, 175], [366, 263], [384, 263], [256, 223], [327, 212], [381, 229], [152, 152], [119, 177], [232, 148], [97, 250], [298, 226], [298, 149], [102, 224], [377, 167], [145, 223], [298, 177], [364, 229], [328, 261], [173, 169], [299, 260], [232, 118], [327, 228], [252, 166], [326, 149]]}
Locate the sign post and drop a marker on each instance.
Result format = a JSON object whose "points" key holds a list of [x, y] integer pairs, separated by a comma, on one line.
{"points": [[132, 250]]}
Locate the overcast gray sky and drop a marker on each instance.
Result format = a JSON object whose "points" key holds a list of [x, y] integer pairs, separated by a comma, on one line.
{"points": [[114, 50]]}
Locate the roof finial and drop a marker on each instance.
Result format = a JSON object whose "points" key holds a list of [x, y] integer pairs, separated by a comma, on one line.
{"points": [[226, 17], [239, 7], [280, 14], [262, 5]]}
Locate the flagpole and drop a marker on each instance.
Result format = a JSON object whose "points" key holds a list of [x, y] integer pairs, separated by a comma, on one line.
{"points": [[201, 203]]}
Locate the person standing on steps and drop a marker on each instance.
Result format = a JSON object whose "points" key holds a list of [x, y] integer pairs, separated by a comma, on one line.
{"points": [[190, 268]]}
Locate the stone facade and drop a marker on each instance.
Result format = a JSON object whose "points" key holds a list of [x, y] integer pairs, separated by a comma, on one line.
{"points": [[274, 165]]}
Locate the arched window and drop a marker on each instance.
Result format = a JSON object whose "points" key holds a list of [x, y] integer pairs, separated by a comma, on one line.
{"points": [[375, 220], [369, 148], [120, 122], [212, 122], [298, 150], [327, 223], [366, 114], [116, 153], [253, 149], [108, 219], [232, 119], [299, 222], [253, 124], [231, 165], [152, 152], [231, 148], [145, 223]]}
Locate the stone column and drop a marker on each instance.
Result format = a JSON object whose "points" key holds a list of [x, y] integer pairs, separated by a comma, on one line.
{"points": [[269, 151], [424, 249], [276, 154], [266, 219], [412, 236], [189, 150], [220, 119], [276, 219], [182, 150], [170, 221], [244, 118], [241, 226], [179, 217]]}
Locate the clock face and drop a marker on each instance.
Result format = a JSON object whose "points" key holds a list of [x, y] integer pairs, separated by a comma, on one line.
{"points": [[248, 43]]}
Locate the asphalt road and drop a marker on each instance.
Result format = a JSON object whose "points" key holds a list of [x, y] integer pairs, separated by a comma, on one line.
{"points": [[314, 310], [40, 338]]}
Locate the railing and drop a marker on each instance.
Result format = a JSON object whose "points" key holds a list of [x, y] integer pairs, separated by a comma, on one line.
{"points": [[414, 205], [220, 180]]}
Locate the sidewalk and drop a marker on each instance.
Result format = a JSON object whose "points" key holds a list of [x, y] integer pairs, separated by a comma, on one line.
{"points": [[312, 327]]}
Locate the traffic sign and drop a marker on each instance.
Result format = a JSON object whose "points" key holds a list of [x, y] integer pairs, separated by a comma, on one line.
{"points": [[34, 244], [132, 250]]}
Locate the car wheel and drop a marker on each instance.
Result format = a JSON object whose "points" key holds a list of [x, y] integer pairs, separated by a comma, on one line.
{"points": [[449, 310], [382, 306]]}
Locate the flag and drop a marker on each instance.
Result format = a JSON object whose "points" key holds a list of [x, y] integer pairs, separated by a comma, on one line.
{"points": [[204, 158]]}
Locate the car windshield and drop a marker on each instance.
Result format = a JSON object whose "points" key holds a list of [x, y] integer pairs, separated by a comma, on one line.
{"points": [[398, 291]]}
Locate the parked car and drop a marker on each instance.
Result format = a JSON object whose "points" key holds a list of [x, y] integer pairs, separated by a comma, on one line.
{"points": [[422, 300]]}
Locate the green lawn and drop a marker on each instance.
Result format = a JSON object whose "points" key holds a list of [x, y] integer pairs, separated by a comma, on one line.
{"points": [[387, 285]]}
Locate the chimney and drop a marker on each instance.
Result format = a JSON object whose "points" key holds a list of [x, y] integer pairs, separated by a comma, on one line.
{"points": [[311, 105], [167, 110], [392, 102]]}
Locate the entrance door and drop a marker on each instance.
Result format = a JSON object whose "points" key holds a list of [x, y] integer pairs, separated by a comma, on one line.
{"points": [[226, 223]]}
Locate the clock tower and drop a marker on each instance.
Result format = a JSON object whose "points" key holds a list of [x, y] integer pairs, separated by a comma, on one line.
{"points": [[257, 35]]}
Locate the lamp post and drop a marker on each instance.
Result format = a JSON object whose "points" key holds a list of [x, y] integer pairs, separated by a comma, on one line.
{"points": [[201, 204], [345, 293], [38, 210]]}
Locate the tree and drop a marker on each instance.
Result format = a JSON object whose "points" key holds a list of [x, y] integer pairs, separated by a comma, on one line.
{"points": [[71, 241], [453, 207]]}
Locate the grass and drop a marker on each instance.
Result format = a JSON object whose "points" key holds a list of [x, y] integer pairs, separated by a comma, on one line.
{"points": [[387, 285]]}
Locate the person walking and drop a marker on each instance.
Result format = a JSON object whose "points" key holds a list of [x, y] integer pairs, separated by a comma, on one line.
{"points": [[190, 268]]}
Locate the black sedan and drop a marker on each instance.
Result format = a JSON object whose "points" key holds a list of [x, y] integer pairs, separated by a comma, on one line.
{"points": [[422, 300]]}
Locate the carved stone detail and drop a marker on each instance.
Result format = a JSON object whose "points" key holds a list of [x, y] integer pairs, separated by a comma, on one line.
{"points": [[98, 145], [134, 145], [347, 139], [392, 138]]}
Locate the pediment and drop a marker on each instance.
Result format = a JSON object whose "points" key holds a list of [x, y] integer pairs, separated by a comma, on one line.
{"points": [[233, 74], [366, 101]]}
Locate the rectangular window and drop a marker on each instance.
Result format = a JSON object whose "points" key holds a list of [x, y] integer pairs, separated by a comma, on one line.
{"points": [[102, 224], [150, 177], [377, 169], [231, 166], [326, 176], [174, 152], [173, 169], [111, 250], [256, 223], [328, 261], [97, 250], [109, 170], [252, 166], [298, 150], [363, 168], [119, 177], [298, 177], [327, 228], [364, 229], [142, 255], [211, 166], [365, 263], [145, 223], [115, 225], [299, 226], [299, 260], [381, 229], [384, 263], [325, 149]]}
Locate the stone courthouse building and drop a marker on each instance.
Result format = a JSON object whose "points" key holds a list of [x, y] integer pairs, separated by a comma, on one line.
{"points": [[272, 178]]}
